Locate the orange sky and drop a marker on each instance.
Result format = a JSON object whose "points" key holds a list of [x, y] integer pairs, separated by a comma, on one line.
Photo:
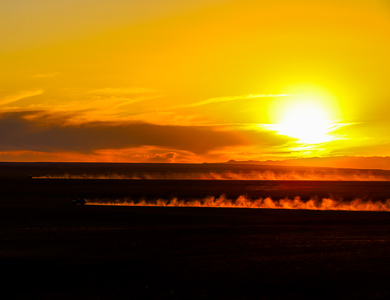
{"points": [[193, 81]]}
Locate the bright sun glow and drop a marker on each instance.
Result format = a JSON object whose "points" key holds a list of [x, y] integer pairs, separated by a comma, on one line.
{"points": [[306, 116], [307, 122]]}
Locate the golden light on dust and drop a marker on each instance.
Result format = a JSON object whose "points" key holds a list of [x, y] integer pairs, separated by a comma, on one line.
{"points": [[310, 116]]}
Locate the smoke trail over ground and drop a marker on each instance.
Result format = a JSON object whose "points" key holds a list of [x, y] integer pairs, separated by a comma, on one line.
{"points": [[230, 175], [245, 202]]}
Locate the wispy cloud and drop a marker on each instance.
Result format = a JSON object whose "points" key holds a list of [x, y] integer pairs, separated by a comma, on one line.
{"points": [[121, 97], [46, 75], [106, 104], [234, 98], [123, 91], [19, 96]]}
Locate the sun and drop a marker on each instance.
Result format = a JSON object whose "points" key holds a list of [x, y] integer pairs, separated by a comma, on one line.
{"points": [[309, 117], [307, 122]]}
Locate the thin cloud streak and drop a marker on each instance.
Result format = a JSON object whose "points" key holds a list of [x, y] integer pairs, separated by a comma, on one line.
{"points": [[123, 91], [106, 104], [19, 96], [46, 75], [233, 98]]}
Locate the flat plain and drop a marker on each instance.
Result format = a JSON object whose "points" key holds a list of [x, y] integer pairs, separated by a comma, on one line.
{"points": [[51, 249]]}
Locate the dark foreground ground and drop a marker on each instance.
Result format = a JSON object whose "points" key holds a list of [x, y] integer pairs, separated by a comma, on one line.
{"points": [[50, 249]]}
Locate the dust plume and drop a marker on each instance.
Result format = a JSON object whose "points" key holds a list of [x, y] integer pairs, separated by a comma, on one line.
{"points": [[245, 202], [233, 175]]}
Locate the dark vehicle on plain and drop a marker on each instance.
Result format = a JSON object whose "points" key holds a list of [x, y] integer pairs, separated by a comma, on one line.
{"points": [[79, 201]]}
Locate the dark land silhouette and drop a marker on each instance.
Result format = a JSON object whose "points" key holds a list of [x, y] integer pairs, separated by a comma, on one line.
{"points": [[51, 249]]}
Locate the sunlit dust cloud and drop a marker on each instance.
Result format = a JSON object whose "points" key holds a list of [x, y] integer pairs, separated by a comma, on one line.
{"points": [[244, 202], [253, 175]]}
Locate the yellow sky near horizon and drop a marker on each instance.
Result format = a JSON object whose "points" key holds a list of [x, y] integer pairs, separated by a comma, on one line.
{"points": [[193, 81]]}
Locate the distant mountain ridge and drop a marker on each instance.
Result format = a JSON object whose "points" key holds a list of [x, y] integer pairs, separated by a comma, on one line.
{"points": [[353, 162]]}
